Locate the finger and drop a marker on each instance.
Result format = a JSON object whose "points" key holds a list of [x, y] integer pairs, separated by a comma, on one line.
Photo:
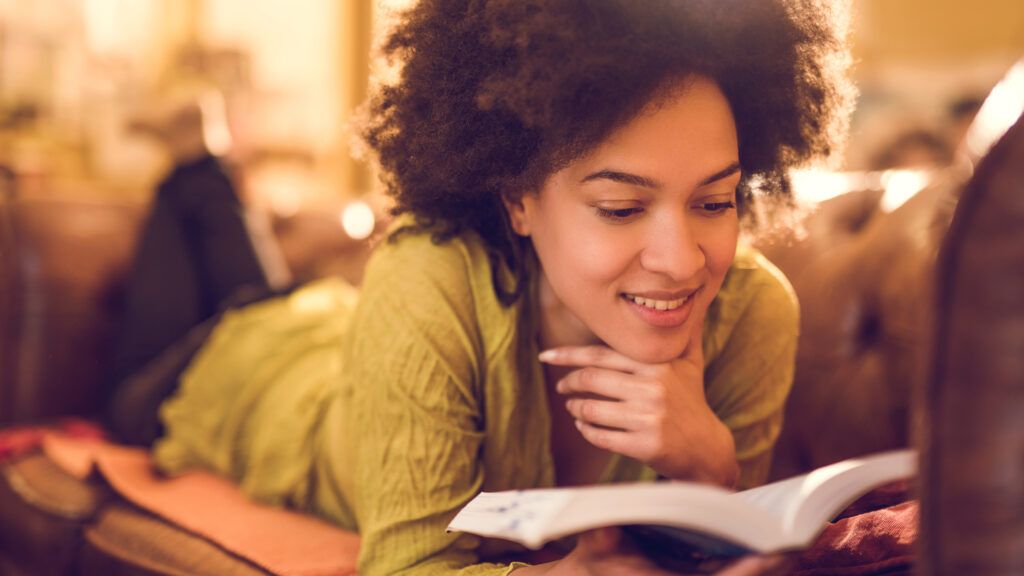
{"points": [[612, 440], [754, 566], [601, 382], [606, 550], [597, 356], [607, 413]]}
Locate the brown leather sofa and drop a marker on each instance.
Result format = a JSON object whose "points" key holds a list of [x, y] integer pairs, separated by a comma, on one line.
{"points": [[864, 278]]}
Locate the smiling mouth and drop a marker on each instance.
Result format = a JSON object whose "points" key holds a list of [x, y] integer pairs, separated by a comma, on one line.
{"points": [[661, 305]]}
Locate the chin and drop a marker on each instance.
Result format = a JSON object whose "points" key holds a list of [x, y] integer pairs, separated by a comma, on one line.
{"points": [[650, 354]]}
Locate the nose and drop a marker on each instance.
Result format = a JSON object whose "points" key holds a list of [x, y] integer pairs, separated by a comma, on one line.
{"points": [[673, 249]]}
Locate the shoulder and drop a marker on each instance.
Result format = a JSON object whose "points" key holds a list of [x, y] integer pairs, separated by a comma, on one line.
{"points": [[750, 351], [754, 280], [438, 293], [416, 271], [756, 302]]}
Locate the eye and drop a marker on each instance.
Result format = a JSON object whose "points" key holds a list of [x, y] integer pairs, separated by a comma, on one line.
{"points": [[715, 208], [618, 214]]}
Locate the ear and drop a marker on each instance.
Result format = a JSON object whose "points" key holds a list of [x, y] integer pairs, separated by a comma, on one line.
{"points": [[518, 215]]}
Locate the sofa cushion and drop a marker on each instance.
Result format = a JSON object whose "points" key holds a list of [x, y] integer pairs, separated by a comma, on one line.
{"points": [[125, 540], [54, 523], [42, 513], [863, 277], [64, 261]]}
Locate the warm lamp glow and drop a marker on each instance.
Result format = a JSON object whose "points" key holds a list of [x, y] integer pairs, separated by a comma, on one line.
{"points": [[900, 186], [358, 220], [813, 186], [1001, 109], [101, 24]]}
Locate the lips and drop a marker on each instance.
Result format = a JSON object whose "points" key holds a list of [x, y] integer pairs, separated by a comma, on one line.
{"points": [[655, 304], [662, 309], [661, 299]]}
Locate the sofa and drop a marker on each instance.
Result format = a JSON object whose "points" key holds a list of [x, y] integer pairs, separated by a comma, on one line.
{"points": [[63, 263], [862, 268], [972, 399]]}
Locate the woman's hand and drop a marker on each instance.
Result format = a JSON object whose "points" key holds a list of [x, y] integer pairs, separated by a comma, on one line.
{"points": [[606, 552], [601, 552], [654, 413]]}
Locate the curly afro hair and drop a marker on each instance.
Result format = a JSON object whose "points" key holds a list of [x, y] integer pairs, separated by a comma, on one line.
{"points": [[495, 95]]}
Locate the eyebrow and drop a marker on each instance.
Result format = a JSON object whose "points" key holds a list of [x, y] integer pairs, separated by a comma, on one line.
{"points": [[644, 182]]}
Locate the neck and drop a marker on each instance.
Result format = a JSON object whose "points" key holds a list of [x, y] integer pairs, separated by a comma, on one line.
{"points": [[558, 325]]}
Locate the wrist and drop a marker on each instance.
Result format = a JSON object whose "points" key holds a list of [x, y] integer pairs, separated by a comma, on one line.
{"points": [[722, 468], [714, 464]]}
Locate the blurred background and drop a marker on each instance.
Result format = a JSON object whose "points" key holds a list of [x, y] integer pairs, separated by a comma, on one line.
{"points": [[77, 75]]}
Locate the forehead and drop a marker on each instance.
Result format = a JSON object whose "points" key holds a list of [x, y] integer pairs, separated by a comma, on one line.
{"points": [[684, 131]]}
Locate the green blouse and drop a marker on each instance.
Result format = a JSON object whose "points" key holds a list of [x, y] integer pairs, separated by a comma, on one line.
{"points": [[387, 412]]}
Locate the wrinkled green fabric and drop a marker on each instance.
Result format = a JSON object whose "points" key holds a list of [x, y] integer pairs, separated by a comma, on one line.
{"points": [[249, 404], [388, 415]]}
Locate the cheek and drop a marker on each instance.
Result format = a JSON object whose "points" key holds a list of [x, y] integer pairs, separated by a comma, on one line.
{"points": [[719, 251], [602, 258], [579, 256]]}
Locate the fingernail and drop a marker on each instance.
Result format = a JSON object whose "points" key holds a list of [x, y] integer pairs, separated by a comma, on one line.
{"points": [[547, 356]]}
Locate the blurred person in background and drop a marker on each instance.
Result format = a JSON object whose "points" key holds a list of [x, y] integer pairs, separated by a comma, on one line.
{"points": [[959, 116], [916, 149], [922, 148]]}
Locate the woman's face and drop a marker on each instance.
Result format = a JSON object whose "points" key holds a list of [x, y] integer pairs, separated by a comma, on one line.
{"points": [[635, 237]]}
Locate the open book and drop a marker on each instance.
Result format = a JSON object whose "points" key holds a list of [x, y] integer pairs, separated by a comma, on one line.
{"points": [[784, 515]]}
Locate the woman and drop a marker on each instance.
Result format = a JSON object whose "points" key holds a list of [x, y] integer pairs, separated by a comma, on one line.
{"points": [[562, 300]]}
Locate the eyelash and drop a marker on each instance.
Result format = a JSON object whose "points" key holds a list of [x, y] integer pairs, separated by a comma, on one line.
{"points": [[623, 214], [618, 214], [718, 207]]}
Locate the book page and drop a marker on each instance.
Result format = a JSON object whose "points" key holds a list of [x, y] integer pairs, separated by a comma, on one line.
{"points": [[779, 516], [775, 498], [517, 515], [537, 516]]}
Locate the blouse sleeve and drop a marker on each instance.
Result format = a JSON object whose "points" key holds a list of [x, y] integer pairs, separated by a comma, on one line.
{"points": [[749, 380], [412, 369]]}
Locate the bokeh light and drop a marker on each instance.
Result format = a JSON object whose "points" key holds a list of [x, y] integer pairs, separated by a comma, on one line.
{"points": [[358, 220]]}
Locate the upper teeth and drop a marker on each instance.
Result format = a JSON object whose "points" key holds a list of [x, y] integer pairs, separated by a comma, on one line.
{"points": [[656, 304]]}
